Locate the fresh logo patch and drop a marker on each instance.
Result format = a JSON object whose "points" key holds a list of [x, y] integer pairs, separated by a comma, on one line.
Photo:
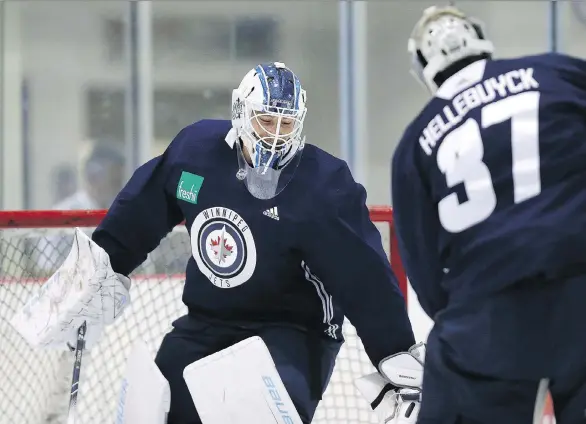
{"points": [[188, 187]]}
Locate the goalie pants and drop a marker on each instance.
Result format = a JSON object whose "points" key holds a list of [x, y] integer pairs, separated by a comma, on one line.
{"points": [[192, 339], [485, 358]]}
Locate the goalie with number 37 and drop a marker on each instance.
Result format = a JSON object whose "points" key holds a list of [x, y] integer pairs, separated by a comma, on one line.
{"points": [[489, 197], [282, 249]]}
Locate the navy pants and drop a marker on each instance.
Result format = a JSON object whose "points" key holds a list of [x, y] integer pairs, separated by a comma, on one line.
{"points": [[192, 339], [485, 358]]}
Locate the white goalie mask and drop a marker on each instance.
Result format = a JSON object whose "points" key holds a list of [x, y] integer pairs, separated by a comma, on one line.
{"points": [[442, 37], [268, 111]]}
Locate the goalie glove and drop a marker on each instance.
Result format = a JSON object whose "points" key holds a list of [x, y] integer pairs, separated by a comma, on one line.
{"points": [[83, 289], [394, 393], [108, 313]]}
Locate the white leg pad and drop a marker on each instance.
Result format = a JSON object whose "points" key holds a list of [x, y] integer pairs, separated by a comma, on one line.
{"points": [[145, 396], [240, 385]]}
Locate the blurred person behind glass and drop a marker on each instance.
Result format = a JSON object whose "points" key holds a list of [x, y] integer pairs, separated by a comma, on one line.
{"points": [[64, 182], [103, 175]]}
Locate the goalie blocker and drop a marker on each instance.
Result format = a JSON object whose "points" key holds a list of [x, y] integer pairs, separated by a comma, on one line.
{"points": [[394, 393]]}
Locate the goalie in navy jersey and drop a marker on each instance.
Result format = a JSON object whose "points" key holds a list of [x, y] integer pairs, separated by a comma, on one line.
{"points": [[283, 248], [489, 197]]}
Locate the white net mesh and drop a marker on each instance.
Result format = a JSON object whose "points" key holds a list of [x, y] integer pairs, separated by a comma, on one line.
{"points": [[35, 384]]}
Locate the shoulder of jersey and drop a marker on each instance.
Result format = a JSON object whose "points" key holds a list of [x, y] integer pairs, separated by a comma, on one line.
{"points": [[199, 138], [205, 133], [540, 58], [319, 165], [323, 173], [549, 60], [555, 61]]}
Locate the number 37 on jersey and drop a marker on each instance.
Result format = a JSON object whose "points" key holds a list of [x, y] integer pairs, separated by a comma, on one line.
{"points": [[461, 153]]}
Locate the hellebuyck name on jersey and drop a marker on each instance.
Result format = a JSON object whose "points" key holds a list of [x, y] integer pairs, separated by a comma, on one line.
{"points": [[512, 82]]}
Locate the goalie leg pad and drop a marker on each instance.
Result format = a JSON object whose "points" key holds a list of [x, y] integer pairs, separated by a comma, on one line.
{"points": [[304, 364], [145, 396], [240, 385], [193, 339]]}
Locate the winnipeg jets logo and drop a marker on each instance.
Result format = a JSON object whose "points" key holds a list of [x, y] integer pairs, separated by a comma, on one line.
{"points": [[223, 247], [220, 248]]}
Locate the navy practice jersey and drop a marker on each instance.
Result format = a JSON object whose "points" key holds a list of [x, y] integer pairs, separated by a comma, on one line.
{"points": [[304, 258], [489, 181]]}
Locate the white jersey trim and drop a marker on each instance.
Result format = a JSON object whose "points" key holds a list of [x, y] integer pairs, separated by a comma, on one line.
{"points": [[326, 301]]}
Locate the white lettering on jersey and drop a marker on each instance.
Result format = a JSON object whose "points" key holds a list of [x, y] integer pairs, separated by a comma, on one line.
{"points": [[504, 85], [460, 157]]}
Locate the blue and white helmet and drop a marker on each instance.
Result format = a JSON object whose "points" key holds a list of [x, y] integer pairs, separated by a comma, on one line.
{"points": [[442, 37], [268, 111], [270, 90]]}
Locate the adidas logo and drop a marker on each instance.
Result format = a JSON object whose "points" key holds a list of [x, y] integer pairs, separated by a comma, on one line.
{"points": [[272, 213]]}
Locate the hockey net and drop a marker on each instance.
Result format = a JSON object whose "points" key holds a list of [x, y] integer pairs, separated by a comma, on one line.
{"points": [[34, 385]]}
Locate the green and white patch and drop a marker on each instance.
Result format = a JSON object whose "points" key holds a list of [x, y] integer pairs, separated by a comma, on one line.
{"points": [[189, 186]]}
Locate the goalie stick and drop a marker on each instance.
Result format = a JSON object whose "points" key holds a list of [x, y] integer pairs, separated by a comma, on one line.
{"points": [[79, 347]]}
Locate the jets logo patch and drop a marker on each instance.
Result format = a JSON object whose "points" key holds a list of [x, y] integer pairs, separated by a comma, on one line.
{"points": [[223, 247]]}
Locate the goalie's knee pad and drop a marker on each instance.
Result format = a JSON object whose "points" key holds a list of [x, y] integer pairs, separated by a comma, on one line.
{"points": [[240, 385]]}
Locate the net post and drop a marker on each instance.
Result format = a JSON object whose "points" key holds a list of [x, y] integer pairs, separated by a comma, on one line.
{"points": [[385, 214]]}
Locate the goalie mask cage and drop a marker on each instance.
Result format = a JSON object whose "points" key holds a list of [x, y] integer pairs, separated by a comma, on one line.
{"points": [[35, 384]]}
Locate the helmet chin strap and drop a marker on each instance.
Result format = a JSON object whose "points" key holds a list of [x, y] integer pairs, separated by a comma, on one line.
{"points": [[245, 151]]}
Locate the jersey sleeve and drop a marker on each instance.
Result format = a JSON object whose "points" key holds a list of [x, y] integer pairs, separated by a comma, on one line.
{"points": [[343, 248], [141, 215], [416, 227]]}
